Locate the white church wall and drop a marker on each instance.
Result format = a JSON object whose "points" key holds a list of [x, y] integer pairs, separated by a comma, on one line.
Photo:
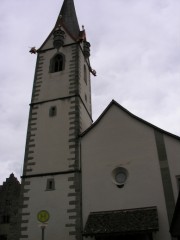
{"points": [[51, 142], [48, 43], [85, 84], [55, 84], [85, 118], [56, 202], [173, 155], [121, 141]]}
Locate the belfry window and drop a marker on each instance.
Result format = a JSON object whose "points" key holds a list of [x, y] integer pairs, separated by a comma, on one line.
{"points": [[57, 63]]}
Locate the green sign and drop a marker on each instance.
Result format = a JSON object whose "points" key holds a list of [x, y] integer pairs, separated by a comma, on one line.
{"points": [[43, 216]]}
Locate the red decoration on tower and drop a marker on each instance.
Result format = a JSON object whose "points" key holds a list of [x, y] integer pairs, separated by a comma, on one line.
{"points": [[33, 50]]}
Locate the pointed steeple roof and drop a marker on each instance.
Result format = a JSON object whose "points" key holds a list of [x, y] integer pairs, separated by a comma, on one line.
{"points": [[69, 18]]}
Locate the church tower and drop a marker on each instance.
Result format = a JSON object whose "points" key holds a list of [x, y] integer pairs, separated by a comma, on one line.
{"points": [[60, 110]]}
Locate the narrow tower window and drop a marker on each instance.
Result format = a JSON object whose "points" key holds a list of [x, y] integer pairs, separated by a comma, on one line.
{"points": [[5, 219], [3, 237], [53, 111], [85, 74], [57, 63], [50, 184], [178, 182]]}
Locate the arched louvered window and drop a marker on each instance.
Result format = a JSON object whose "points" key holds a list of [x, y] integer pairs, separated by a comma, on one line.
{"points": [[57, 63]]}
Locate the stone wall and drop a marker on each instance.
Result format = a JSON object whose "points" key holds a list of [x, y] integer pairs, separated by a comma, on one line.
{"points": [[9, 208]]}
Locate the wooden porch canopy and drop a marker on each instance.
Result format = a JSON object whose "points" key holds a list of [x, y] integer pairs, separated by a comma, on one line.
{"points": [[122, 222]]}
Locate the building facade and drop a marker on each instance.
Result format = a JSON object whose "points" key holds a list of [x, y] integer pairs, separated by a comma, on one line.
{"points": [[9, 208], [135, 168], [60, 110], [114, 179], [175, 224]]}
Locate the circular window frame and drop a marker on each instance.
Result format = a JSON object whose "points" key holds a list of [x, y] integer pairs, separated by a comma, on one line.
{"points": [[117, 171]]}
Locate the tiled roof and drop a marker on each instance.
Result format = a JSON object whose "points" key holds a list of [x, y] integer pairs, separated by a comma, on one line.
{"points": [[122, 221], [69, 17]]}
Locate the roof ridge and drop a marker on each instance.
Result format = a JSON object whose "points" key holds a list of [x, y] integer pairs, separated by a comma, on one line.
{"points": [[113, 102]]}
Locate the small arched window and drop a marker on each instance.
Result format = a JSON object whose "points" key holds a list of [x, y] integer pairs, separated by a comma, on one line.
{"points": [[57, 63]]}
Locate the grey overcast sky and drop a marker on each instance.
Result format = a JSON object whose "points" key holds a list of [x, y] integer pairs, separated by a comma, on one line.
{"points": [[135, 49]]}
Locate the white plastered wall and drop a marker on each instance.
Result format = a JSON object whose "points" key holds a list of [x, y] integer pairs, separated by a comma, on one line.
{"points": [[55, 85], [49, 41], [56, 202], [122, 141], [52, 135], [173, 155], [85, 87]]}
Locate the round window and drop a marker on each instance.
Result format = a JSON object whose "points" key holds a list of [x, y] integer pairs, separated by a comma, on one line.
{"points": [[119, 176]]}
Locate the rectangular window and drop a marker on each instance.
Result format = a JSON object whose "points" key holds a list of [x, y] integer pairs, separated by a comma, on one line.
{"points": [[5, 219], [50, 184], [3, 237], [52, 111]]}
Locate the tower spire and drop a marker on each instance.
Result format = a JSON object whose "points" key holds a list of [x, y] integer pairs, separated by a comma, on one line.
{"points": [[69, 18]]}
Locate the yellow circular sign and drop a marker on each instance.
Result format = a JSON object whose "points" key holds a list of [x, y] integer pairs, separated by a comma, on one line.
{"points": [[43, 216]]}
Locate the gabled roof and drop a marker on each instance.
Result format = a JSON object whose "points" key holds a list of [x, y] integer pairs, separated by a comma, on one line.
{"points": [[113, 102], [120, 222], [10, 182]]}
